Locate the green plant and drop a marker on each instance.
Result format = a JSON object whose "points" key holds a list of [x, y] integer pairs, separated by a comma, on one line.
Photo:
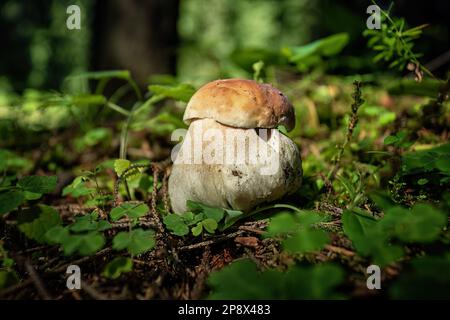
{"points": [[312, 53], [383, 239], [400, 140], [84, 236], [35, 221], [8, 275], [243, 280], [428, 278], [116, 267], [86, 186], [298, 231], [136, 241], [357, 102], [130, 210], [394, 43], [26, 188], [201, 217]]}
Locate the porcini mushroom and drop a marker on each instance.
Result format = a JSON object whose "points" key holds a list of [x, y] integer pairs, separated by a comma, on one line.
{"points": [[233, 156]]}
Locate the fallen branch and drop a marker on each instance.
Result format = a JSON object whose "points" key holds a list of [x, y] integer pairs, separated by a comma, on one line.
{"points": [[94, 294], [63, 268], [17, 287], [212, 241], [339, 250], [37, 281]]}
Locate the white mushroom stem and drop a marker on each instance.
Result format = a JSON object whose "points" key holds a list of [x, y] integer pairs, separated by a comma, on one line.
{"points": [[233, 168]]}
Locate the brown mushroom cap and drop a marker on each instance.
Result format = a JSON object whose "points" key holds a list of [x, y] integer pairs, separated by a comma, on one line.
{"points": [[242, 104]]}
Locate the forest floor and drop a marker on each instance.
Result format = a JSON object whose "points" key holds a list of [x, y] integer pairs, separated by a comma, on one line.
{"points": [[179, 267]]}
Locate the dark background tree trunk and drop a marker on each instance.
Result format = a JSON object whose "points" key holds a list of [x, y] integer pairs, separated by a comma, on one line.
{"points": [[136, 35]]}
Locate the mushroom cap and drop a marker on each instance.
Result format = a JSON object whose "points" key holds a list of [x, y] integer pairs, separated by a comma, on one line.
{"points": [[241, 103]]}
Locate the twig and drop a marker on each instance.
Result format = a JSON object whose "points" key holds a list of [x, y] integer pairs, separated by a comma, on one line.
{"points": [[339, 250], [126, 224], [94, 294], [250, 229], [63, 268], [212, 241], [12, 289], [334, 211], [37, 281], [154, 198], [31, 250], [165, 191]]}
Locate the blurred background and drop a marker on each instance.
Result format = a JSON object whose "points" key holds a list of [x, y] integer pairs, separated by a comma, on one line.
{"points": [[195, 40]]}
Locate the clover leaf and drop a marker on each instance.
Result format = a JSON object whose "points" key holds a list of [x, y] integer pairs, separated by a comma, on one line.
{"points": [[115, 268], [133, 211], [136, 241], [38, 184]]}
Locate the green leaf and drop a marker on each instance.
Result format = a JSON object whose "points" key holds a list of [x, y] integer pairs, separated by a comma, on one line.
{"points": [[10, 200], [56, 235], [258, 68], [281, 224], [306, 241], [89, 222], [369, 238], [120, 165], [176, 224], [8, 278], [425, 161], [91, 138], [38, 184], [136, 241], [443, 164], [300, 231], [382, 200], [422, 181], [36, 221], [97, 75], [428, 279], [428, 87], [422, 224], [390, 140], [231, 217], [210, 225], [182, 92], [133, 211], [32, 195], [358, 228], [242, 280], [197, 230], [328, 46], [78, 188], [386, 117], [88, 99], [210, 212], [86, 244], [11, 161], [115, 268], [246, 57]]}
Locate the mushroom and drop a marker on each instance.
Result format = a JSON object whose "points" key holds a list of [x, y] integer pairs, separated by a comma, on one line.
{"points": [[233, 155]]}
